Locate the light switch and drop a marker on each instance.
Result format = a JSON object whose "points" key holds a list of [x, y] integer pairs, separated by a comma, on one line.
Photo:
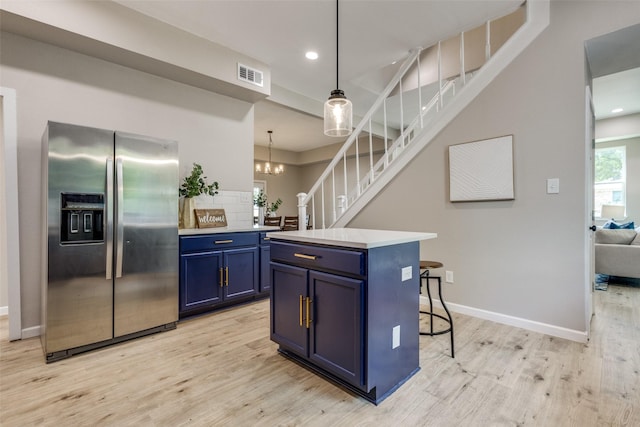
{"points": [[553, 185]]}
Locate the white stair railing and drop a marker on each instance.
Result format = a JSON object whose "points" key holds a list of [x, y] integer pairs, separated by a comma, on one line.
{"points": [[386, 132]]}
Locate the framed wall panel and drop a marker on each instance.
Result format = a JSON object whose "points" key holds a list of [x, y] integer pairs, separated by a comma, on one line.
{"points": [[481, 170]]}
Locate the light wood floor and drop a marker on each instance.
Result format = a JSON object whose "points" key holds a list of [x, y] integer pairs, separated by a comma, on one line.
{"points": [[221, 369]]}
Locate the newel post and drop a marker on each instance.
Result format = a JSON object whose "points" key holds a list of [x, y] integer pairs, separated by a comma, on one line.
{"points": [[302, 211]]}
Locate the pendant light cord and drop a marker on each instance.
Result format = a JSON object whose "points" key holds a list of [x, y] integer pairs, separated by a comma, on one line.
{"points": [[337, 44]]}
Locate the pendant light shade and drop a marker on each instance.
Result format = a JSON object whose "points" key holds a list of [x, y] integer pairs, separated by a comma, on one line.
{"points": [[338, 115]]}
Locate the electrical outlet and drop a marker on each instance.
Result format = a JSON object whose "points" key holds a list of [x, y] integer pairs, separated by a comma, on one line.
{"points": [[448, 276], [395, 339], [406, 273]]}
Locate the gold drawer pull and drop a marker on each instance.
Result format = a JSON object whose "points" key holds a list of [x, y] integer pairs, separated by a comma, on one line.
{"points": [[219, 242], [221, 279], [309, 320], [300, 310], [267, 238], [226, 280], [311, 257]]}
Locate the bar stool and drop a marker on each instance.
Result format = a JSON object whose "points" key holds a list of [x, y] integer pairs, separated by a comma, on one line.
{"points": [[426, 266]]}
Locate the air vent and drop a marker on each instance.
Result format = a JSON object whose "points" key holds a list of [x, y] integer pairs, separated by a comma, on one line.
{"points": [[249, 75]]}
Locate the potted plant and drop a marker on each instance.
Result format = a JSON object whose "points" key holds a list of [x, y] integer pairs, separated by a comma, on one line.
{"points": [[194, 185], [260, 200], [273, 207]]}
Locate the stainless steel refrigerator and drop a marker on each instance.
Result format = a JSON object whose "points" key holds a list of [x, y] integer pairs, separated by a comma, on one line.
{"points": [[110, 208]]}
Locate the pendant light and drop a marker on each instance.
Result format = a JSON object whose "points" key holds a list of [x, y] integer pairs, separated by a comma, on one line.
{"points": [[338, 116], [267, 169]]}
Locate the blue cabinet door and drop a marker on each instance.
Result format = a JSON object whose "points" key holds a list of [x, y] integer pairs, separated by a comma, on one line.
{"points": [[200, 279], [241, 272], [288, 307], [336, 334], [265, 277]]}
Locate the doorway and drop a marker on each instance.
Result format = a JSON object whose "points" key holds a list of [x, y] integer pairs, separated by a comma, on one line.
{"points": [[9, 233], [613, 61]]}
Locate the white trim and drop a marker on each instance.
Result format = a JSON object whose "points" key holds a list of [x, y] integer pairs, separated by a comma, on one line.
{"points": [[31, 332], [4, 311], [518, 322], [10, 128]]}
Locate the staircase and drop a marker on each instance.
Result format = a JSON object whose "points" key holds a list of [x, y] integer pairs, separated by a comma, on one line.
{"points": [[423, 97]]}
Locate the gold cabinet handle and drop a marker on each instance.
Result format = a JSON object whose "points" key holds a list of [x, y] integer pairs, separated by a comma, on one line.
{"points": [[221, 280], [300, 310], [308, 312], [311, 257], [267, 238], [226, 280], [220, 242]]}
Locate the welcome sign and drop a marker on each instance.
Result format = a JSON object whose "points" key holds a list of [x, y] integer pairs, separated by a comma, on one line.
{"points": [[209, 218]]}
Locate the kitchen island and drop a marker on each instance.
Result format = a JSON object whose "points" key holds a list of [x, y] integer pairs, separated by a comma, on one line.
{"points": [[345, 304]]}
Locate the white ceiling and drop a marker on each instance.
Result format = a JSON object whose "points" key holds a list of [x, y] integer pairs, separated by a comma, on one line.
{"points": [[373, 34], [614, 60]]}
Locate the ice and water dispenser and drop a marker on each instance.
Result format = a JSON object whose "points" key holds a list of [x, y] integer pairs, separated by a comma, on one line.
{"points": [[81, 218]]}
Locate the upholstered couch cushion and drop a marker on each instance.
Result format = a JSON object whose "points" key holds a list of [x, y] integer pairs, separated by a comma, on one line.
{"points": [[615, 237]]}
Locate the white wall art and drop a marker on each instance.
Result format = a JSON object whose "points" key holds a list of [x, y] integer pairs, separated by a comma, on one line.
{"points": [[481, 170]]}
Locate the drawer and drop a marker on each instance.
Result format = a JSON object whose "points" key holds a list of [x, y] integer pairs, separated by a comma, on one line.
{"points": [[219, 241], [319, 257]]}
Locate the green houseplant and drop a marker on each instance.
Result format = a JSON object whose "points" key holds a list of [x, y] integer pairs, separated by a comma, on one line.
{"points": [[194, 185], [260, 199], [273, 207]]}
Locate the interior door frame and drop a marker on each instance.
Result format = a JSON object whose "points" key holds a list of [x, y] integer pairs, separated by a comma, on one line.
{"points": [[589, 220], [10, 233]]}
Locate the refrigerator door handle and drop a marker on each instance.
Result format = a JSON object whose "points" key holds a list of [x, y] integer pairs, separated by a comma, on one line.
{"points": [[119, 217], [109, 220]]}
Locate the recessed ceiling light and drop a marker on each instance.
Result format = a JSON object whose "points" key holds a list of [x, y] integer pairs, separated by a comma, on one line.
{"points": [[311, 55], [617, 110]]}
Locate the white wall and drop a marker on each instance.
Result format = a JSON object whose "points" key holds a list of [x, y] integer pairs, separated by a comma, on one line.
{"points": [[522, 258], [56, 84]]}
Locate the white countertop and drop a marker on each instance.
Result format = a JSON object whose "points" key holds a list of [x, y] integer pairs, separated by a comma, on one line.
{"points": [[216, 230], [352, 237]]}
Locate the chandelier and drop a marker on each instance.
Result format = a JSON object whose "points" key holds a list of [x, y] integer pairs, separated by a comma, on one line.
{"points": [[267, 168]]}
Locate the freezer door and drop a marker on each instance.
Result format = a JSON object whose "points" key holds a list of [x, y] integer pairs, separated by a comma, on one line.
{"points": [[77, 294], [146, 230]]}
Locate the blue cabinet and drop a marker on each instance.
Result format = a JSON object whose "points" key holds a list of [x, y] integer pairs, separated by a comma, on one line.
{"points": [[265, 258], [216, 269], [318, 315], [348, 314]]}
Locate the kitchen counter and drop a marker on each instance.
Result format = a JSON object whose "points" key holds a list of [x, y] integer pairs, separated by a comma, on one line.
{"points": [[353, 237], [215, 230]]}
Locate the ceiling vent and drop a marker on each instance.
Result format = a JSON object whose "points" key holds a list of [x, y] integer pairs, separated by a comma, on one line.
{"points": [[249, 75]]}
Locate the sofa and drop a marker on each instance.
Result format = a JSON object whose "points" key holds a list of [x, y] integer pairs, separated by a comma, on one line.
{"points": [[618, 252]]}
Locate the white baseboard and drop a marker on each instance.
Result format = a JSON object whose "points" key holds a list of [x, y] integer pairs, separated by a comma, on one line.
{"points": [[530, 325], [4, 311], [31, 332]]}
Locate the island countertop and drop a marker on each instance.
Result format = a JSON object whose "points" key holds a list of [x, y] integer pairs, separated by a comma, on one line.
{"points": [[215, 230], [352, 237]]}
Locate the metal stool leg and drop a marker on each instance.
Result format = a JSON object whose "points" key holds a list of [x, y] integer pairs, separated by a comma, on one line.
{"points": [[431, 314]]}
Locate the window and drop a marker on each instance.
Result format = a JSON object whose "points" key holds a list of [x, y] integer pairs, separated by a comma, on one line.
{"points": [[610, 176]]}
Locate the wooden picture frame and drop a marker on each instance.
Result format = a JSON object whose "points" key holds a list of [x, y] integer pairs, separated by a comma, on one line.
{"points": [[482, 170]]}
